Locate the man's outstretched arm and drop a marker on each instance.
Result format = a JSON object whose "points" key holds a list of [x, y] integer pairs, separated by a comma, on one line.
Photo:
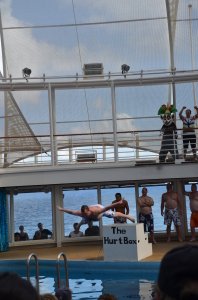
{"points": [[70, 211], [111, 206]]}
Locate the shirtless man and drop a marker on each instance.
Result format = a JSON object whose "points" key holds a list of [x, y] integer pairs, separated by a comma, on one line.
{"points": [[193, 197], [122, 208], [145, 204], [95, 213], [171, 203]]}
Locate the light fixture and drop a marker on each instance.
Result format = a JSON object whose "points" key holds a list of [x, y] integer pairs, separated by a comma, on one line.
{"points": [[26, 73], [125, 69]]}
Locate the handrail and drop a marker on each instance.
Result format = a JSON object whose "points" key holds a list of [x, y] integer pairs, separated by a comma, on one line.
{"points": [[37, 269], [58, 269]]}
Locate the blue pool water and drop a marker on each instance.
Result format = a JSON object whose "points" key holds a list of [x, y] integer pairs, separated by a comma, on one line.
{"points": [[90, 279]]}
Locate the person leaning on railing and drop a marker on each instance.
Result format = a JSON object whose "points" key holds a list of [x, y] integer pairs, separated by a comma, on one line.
{"points": [[189, 135]]}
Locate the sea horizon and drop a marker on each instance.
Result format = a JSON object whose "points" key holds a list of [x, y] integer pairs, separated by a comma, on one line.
{"points": [[32, 208]]}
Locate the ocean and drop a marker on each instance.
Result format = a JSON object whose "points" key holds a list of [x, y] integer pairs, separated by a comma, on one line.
{"points": [[32, 208]]}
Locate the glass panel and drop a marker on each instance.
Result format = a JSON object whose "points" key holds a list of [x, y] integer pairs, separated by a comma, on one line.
{"points": [[156, 192], [108, 195], [31, 209], [74, 200]]}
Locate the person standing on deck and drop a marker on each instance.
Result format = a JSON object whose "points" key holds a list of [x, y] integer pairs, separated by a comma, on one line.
{"points": [[170, 201], [145, 204], [193, 197], [189, 135], [122, 208]]}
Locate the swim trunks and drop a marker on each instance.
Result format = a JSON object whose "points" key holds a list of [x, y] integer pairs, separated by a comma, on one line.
{"points": [[147, 220], [172, 215], [194, 219], [108, 214]]}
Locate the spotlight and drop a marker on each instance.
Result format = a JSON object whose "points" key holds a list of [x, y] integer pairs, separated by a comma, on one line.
{"points": [[26, 73], [125, 68]]}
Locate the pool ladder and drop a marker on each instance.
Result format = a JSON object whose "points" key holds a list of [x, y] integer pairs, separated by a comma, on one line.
{"points": [[58, 269], [33, 255]]}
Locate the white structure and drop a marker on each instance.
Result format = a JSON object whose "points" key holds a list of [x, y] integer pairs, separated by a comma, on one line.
{"points": [[125, 242]]}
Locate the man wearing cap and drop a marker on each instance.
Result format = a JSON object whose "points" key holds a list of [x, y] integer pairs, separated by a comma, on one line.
{"points": [[170, 202], [178, 276]]}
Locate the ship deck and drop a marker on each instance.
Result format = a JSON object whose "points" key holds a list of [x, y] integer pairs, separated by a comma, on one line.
{"points": [[79, 251]]}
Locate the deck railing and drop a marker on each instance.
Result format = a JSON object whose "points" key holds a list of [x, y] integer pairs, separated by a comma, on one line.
{"points": [[75, 149]]}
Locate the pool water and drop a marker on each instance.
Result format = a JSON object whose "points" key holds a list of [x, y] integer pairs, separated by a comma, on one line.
{"points": [[90, 279]]}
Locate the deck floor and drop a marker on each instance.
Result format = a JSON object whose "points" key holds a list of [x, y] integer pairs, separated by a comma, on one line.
{"points": [[79, 252]]}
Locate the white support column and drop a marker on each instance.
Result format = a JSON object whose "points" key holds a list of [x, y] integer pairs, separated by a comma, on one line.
{"points": [[136, 200], [171, 9], [59, 216], [52, 119], [179, 186], [137, 145], [192, 53], [4, 74], [70, 150], [11, 217], [113, 101], [104, 156], [99, 202], [4, 71]]}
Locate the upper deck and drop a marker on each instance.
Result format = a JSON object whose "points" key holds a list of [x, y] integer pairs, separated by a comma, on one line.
{"points": [[98, 126]]}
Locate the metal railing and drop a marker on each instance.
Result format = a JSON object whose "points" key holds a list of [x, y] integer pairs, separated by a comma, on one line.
{"points": [[33, 255], [131, 146], [65, 268]]}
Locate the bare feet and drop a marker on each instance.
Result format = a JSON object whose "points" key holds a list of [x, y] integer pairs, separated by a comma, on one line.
{"points": [[192, 240], [154, 241]]}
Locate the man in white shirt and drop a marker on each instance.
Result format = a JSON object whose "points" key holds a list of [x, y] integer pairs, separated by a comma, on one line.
{"points": [[76, 232]]}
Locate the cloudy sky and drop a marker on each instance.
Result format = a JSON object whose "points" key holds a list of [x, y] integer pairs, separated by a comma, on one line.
{"points": [[56, 37]]}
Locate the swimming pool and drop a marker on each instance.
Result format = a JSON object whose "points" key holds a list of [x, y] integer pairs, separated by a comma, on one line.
{"points": [[90, 279]]}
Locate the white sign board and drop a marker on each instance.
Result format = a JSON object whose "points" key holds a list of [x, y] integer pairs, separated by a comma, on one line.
{"points": [[125, 242]]}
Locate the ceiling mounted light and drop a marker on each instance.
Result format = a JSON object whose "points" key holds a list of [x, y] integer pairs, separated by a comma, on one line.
{"points": [[26, 72], [125, 68]]}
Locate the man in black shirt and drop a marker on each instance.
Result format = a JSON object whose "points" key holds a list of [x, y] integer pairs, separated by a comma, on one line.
{"points": [[42, 233]]}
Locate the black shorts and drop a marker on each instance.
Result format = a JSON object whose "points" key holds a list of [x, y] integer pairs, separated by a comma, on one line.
{"points": [[189, 138]]}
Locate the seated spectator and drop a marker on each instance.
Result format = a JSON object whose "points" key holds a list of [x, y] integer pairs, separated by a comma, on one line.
{"points": [[92, 230], [42, 233], [17, 236], [178, 276], [23, 235], [76, 232], [12, 286], [63, 294]]}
